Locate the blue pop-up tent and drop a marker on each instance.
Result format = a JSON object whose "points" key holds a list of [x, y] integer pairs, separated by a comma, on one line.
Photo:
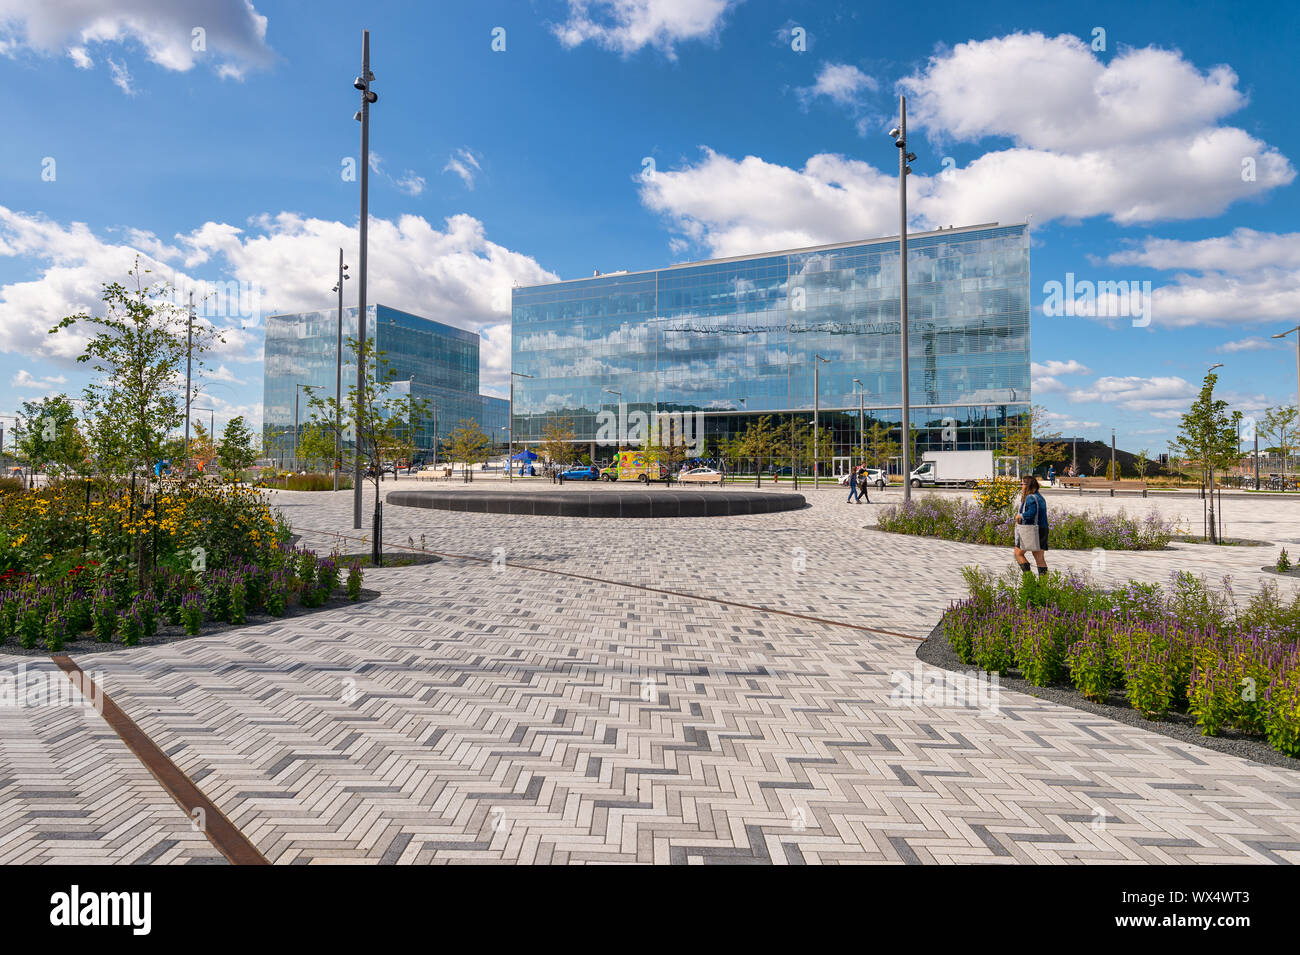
{"points": [[525, 455]]}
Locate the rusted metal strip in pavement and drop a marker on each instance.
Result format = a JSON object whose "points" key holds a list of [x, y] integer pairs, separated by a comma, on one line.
{"points": [[221, 832]]}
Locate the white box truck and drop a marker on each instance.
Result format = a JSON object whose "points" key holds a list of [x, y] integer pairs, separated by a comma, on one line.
{"points": [[953, 468]]}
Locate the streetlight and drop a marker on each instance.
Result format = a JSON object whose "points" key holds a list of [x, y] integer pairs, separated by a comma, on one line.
{"points": [[899, 133], [368, 96], [296, 389], [189, 349], [862, 435], [817, 368], [510, 451], [338, 375]]}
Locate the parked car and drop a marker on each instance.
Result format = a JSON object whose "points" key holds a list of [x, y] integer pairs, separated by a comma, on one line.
{"points": [[582, 473], [875, 476], [700, 476]]}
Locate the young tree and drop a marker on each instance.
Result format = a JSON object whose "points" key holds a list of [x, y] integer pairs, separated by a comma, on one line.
{"points": [[557, 441], [202, 448], [47, 437], [665, 444], [138, 346], [761, 440], [1279, 422], [467, 443], [1143, 462], [1095, 465], [1027, 440], [236, 450], [880, 447], [380, 419], [1208, 436]]}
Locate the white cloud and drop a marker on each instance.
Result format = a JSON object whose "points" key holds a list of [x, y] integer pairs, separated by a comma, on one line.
{"points": [[233, 32], [1055, 93], [841, 83], [1240, 251], [1054, 367], [1160, 397], [25, 381], [80, 58], [626, 26], [1246, 276], [1245, 344], [408, 182], [1067, 423], [1074, 137], [121, 77], [465, 164], [454, 274]]}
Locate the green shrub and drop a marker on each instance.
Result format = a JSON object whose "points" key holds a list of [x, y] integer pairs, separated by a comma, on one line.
{"points": [[1149, 672], [1091, 668], [191, 612], [1282, 720], [31, 625], [1039, 647], [991, 645], [354, 581], [1283, 562]]}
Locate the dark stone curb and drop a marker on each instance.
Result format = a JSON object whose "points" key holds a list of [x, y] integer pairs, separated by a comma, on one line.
{"points": [[1180, 726], [611, 502]]}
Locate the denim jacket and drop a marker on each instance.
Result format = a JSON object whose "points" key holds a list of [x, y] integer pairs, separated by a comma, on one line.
{"points": [[1034, 510]]}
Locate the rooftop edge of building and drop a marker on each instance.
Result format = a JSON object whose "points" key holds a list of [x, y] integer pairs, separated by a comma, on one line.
{"points": [[984, 226], [463, 334]]}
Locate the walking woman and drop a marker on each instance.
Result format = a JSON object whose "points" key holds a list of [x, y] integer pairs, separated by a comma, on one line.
{"points": [[1031, 527]]}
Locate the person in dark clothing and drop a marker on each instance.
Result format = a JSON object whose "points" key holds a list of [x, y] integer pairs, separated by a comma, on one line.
{"points": [[1031, 527], [853, 487]]}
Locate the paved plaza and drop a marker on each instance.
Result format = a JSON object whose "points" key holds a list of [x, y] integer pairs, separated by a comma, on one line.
{"points": [[690, 690]]}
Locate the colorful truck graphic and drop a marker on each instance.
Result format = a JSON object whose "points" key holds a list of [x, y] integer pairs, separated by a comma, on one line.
{"points": [[635, 466]]}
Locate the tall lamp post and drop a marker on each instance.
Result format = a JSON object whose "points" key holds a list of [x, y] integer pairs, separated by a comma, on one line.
{"points": [[368, 97], [899, 133], [817, 394], [338, 375], [862, 435], [189, 354], [510, 452]]}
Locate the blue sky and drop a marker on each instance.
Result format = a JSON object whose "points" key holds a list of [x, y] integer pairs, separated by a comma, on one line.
{"points": [[1125, 150]]}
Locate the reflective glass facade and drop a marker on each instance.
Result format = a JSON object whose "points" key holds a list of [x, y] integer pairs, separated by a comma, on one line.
{"points": [[436, 362], [736, 337]]}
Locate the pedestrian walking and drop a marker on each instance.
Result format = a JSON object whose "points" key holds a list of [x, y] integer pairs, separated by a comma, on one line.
{"points": [[1031, 528], [853, 487], [1051, 475], [862, 485]]}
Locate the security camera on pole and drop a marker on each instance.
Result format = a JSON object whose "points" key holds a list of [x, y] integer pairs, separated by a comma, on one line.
{"points": [[899, 133], [338, 375], [368, 96]]}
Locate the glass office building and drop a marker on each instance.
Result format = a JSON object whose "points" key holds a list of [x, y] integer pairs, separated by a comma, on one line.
{"points": [[731, 339], [428, 359]]}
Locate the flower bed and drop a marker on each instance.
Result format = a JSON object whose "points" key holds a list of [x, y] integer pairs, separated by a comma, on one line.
{"points": [[113, 560], [1182, 648], [114, 607], [953, 518]]}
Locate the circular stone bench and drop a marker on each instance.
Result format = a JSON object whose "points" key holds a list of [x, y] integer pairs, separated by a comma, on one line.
{"points": [[606, 502]]}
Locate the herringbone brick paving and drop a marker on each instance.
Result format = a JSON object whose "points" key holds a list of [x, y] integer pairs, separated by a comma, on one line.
{"points": [[503, 714]]}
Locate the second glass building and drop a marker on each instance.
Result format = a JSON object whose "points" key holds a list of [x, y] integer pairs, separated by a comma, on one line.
{"points": [[733, 338]]}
